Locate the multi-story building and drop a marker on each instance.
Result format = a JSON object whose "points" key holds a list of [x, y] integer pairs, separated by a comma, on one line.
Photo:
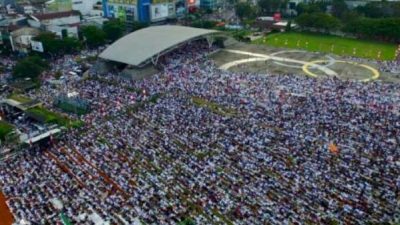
{"points": [[59, 5], [124, 10], [57, 22], [210, 4], [145, 11], [85, 7]]}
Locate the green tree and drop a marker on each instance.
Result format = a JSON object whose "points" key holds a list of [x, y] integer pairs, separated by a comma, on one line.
{"points": [[350, 16], [71, 44], [114, 29], [371, 9], [310, 8], [268, 7], [207, 24], [384, 29], [93, 36], [138, 25], [56, 46], [244, 10], [30, 67], [318, 21], [51, 44], [339, 7]]}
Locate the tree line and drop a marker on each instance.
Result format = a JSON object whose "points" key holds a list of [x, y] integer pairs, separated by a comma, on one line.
{"points": [[374, 20]]}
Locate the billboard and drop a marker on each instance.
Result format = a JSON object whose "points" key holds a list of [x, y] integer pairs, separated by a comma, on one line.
{"points": [[159, 11], [37, 46]]}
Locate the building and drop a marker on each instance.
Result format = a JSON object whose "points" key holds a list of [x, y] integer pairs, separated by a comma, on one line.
{"points": [[9, 24], [210, 4], [125, 11], [21, 38], [145, 11], [85, 7], [58, 5], [57, 22], [88, 7]]}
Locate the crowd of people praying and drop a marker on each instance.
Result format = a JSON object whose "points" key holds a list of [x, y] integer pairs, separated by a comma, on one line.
{"points": [[218, 147]]}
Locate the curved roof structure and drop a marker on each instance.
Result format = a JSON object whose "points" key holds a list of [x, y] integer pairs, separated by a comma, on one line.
{"points": [[139, 47]]}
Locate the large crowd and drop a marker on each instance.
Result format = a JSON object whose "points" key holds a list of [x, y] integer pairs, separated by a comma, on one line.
{"points": [[219, 147], [390, 66]]}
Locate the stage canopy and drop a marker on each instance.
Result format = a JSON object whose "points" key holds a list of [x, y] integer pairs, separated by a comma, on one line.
{"points": [[143, 46]]}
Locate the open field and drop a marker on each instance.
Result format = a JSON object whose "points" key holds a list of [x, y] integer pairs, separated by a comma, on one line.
{"points": [[330, 44], [263, 59]]}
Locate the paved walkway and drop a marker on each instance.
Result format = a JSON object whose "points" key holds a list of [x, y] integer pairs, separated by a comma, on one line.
{"points": [[263, 57]]}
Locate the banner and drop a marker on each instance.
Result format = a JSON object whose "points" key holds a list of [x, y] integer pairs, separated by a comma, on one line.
{"points": [[37, 46], [159, 11]]}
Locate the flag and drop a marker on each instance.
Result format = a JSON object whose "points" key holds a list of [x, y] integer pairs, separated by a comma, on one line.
{"points": [[333, 149], [65, 220]]}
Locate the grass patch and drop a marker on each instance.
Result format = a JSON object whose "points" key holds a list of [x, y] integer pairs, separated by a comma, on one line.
{"points": [[214, 107], [20, 98], [323, 43], [75, 124], [5, 129], [46, 116]]}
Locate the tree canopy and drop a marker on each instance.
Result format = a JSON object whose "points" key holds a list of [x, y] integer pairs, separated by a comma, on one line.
{"points": [[29, 67], [383, 9], [245, 10], [385, 29], [57, 46], [268, 7], [93, 36], [114, 29], [339, 8], [312, 7], [318, 21]]}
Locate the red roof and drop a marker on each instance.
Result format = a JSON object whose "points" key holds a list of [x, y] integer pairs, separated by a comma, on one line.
{"points": [[55, 15]]}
